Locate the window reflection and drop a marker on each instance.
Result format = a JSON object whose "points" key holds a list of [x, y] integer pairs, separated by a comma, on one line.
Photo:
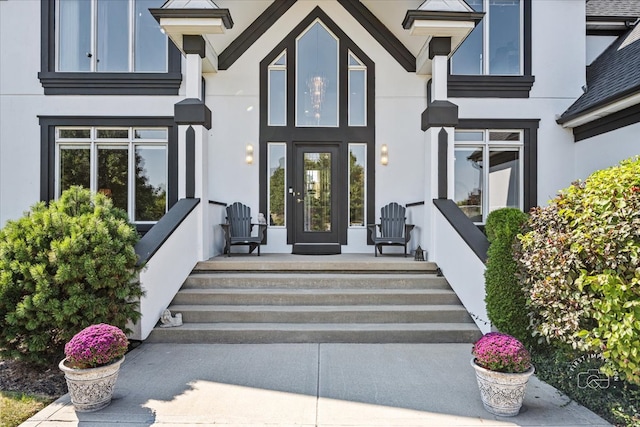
{"points": [[468, 181], [151, 182], [357, 184], [317, 78], [277, 178], [113, 175]]}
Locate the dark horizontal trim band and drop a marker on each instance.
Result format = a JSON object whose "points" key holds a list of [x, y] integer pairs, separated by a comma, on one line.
{"points": [[217, 203], [410, 205], [57, 83], [223, 14], [470, 233], [159, 233], [489, 86], [608, 123], [412, 15]]}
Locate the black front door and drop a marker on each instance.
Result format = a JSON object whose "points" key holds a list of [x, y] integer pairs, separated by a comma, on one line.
{"points": [[316, 193]]}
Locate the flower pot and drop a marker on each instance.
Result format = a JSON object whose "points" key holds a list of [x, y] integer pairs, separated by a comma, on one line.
{"points": [[502, 393], [91, 389]]}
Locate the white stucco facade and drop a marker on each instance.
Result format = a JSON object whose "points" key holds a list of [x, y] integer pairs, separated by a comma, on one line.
{"points": [[560, 52]]}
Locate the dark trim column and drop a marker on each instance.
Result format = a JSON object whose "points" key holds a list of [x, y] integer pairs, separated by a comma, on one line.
{"points": [[443, 164]]}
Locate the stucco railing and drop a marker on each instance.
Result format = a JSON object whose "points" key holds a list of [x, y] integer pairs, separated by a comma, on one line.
{"points": [[461, 255], [169, 251]]}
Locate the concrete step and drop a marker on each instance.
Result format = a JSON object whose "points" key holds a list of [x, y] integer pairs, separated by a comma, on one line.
{"points": [[315, 296], [322, 313], [298, 280], [345, 263], [317, 333]]}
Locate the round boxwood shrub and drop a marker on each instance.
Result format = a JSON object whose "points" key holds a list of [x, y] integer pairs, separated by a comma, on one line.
{"points": [[64, 267], [580, 261], [506, 302]]}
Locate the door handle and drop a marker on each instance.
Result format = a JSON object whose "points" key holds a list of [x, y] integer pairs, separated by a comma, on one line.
{"points": [[299, 200]]}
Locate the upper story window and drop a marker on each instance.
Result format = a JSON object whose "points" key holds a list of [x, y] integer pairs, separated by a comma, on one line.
{"points": [[106, 47], [110, 36], [495, 46], [317, 86]]}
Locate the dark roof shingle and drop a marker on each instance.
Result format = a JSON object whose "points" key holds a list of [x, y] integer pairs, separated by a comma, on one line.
{"points": [[613, 8], [614, 75]]}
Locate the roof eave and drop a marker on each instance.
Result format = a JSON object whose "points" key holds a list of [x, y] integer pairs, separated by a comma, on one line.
{"points": [[602, 109]]}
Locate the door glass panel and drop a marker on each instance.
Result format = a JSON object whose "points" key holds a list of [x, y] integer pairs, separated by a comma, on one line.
{"points": [[468, 181], [317, 192], [113, 174]]}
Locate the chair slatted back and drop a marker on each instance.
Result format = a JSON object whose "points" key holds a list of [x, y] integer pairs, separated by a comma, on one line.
{"points": [[392, 220], [239, 219]]}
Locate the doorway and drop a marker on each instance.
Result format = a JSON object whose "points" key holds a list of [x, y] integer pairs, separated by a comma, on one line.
{"points": [[315, 199]]}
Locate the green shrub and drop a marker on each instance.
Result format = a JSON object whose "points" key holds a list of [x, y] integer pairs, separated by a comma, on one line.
{"points": [[64, 267], [580, 263], [506, 302]]}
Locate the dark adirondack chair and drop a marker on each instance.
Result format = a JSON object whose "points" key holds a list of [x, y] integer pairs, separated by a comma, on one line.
{"points": [[238, 229], [393, 229]]}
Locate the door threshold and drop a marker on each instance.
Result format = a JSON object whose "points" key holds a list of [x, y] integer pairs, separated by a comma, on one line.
{"points": [[316, 249]]}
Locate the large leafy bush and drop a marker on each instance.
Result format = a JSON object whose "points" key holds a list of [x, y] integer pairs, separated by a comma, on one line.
{"points": [[506, 302], [580, 261], [64, 267]]}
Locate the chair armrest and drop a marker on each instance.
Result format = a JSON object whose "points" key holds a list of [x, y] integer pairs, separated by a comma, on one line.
{"points": [[372, 230]]}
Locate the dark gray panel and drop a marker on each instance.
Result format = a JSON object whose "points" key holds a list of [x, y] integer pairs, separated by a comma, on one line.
{"points": [[440, 113], [192, 111]]}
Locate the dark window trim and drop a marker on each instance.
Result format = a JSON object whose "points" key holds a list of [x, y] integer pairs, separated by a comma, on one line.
{"points": [[617, 120], [344, 134], [487, 86], [48, 126], [96, 83], [530, 155]]}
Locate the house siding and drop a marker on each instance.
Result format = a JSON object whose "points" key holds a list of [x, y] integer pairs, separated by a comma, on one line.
{"points": [[559, 52]]}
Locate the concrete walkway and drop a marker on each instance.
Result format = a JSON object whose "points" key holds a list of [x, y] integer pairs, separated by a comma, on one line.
{"points": [[308, 385]]}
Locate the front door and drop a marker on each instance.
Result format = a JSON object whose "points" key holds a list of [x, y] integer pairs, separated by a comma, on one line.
{"points": [[316, 193]]}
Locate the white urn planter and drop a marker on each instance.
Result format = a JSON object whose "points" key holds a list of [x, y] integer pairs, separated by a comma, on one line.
{"points": [[91, 389], [502, 393]]}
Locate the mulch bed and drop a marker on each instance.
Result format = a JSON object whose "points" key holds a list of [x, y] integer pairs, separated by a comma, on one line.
{"points": [[23, 378]]}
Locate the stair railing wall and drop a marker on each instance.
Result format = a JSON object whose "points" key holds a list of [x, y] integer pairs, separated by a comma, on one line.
{"points": [[461, 253], [169, 251], [217, 215]]}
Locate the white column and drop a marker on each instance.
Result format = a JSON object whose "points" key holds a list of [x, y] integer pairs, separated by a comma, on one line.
{"points": [[439, 78], [193, 76], [430, 190]]}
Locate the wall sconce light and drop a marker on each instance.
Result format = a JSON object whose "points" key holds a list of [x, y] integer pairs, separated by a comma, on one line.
{"points": [[249, 154], [384, 155]]}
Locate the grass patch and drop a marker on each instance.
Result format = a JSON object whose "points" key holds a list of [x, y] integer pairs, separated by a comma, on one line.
{"points": [[18, 407], [577, 375]]}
